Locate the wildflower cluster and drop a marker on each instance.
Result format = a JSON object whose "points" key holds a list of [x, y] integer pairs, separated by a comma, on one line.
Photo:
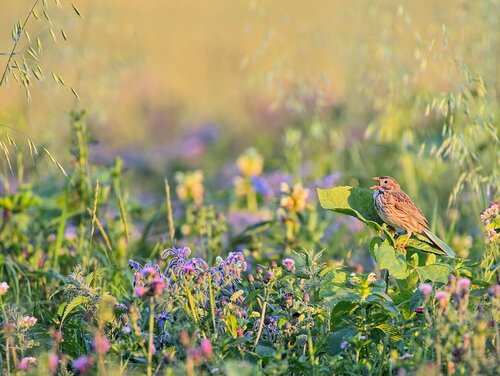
{"points": [[491, 221]]}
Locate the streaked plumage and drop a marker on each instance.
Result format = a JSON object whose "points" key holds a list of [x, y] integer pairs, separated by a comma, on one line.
{"points": [[397, 209]]}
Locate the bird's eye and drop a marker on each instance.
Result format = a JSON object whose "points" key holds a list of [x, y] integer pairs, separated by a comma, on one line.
{"points": [[385, 181]]}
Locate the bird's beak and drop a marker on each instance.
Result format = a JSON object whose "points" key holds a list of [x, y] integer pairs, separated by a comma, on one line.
{"points": [[375, 186]]}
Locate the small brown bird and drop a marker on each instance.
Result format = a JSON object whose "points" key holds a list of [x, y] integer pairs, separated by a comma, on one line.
{"points": [[397, 210]]}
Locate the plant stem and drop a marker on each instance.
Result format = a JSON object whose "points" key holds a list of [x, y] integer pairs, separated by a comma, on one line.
{"points": [[262, 316], [212, 305], [150, 342], [13, 52]]}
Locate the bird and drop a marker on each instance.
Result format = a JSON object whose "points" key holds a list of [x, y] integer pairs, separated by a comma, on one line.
{"points": [[398, 211]]}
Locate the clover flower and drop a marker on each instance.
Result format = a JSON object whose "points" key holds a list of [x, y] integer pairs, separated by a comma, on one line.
{"points": [[4, 287]]}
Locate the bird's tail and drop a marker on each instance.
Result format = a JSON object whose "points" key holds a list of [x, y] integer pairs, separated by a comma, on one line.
{"points": [[440, 244]]}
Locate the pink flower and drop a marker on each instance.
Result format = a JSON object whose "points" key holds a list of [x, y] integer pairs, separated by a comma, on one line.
{"points": [[206, 348], [27, 322], [101, 344], [464, 283], [83, 364], [156, 286], [53, 362], [494, 291], [139, 291], [4, 286], [26, 363], [442, 295], [149, 271], [425, 289], [289, 265]]}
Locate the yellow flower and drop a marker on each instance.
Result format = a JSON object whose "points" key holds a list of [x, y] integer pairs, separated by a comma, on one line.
{"points": [[242, 186], [190, 186], [296, 201], [251, 163]]}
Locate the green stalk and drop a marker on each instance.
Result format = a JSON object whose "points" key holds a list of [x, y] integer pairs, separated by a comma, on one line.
{"points": [[262, 316], [150, 342], [212, 305]]}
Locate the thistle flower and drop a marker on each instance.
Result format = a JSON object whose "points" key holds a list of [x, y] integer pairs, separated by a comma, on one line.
{"points": [[83, 364], [100, 344], [25, 363], [53, 362], [206, 348], [494, 291], [443, 298], [425, 289], [464, 283], [289, 265], [4, 286]]}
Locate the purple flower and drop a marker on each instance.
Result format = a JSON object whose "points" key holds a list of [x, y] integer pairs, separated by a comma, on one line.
{"points": [[181, 253], [289, 265], [464, 283], [134, 265], [343, 345], [261, 186], [425, 289], [83, 364], [162, 317]]}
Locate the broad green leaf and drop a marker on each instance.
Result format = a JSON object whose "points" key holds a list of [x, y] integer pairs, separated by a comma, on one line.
{"points": [[435, 272], [386, 258], [340, 310], [353, 201], [335, 339], [265, 351]]}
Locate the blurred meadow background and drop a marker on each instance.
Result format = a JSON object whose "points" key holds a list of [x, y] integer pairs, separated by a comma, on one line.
{"points": [[103, 102]]}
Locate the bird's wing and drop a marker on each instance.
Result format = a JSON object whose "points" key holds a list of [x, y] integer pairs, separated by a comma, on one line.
{"points": [[404, 203]]}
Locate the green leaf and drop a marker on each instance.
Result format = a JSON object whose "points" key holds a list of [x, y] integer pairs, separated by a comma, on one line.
{"points": [[340, 310], [231, 324], [79, 300], [436, 272], [386, 258], [335, 339], [353, 201], [265, 351]]}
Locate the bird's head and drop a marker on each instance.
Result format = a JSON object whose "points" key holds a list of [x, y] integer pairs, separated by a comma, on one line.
{"points": [[385, 183]]}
